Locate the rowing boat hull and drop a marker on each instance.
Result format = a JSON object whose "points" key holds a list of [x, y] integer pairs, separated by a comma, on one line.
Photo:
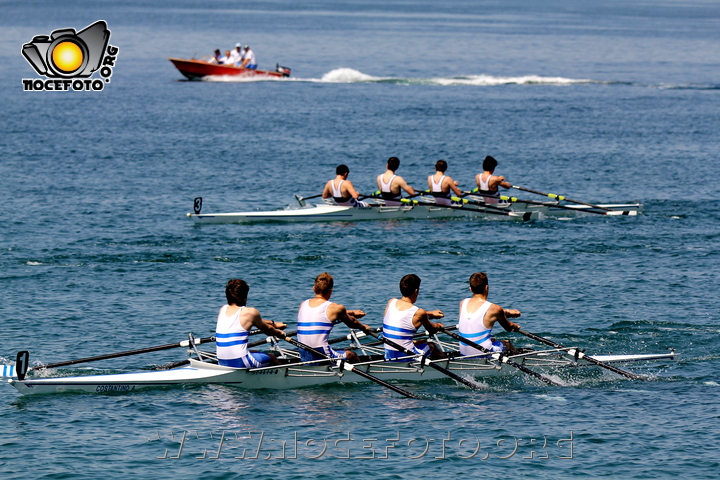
{"points": [[334, 213], [195, 69], [297, 375]]}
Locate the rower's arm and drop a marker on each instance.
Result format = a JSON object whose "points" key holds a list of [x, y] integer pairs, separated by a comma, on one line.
{"points": [[454, 186], [422, 318], [502, 183], [337, 312], [403, 185], [327, 191], [501, 316], [266, 328], [351, 189]]}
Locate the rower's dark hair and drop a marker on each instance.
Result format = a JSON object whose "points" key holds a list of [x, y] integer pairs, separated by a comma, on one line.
{"points": [[236, 292], [489, 163], [408, 284], [342, 169], [393, 163], [478, 282], [323, 283], [441, 166]]}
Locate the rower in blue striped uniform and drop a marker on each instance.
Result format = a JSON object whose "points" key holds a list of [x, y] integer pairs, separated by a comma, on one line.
{"points": [[390, 184], [316, 317], [440, 184], [403, 319], [477, 317], [342, 190], [234, 322]]}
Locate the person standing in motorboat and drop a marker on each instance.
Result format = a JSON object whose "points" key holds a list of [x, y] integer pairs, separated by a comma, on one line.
{"points": [[342, 190], [440, 184], [236, 55], [390, 184], [488, 183], [248, 59]]}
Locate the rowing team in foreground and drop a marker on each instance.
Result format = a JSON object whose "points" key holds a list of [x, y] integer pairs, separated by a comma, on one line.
{"points": [[390, 185], [317, 316]]}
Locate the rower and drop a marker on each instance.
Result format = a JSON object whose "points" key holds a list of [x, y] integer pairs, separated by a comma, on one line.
{"points": [[248, 59], [488, 183], [234, 322], [477, 317], [342, 190], [403, 319], [441, 184], [316, 317], [390, 184]]}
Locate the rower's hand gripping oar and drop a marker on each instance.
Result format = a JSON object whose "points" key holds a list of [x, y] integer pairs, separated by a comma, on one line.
{"points": [[349, 367], [408, 352], [501, 358], [579, 354]]}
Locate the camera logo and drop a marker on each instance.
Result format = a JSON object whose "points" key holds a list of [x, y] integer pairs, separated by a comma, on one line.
{"points": [[68, 57]]}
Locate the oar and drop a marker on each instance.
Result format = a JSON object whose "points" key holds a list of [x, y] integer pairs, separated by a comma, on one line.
{"points": [[349, 367], [184, 343], [561, 197], [408, 352], [579, 354], [505, 198], [501, 358], [524, 215]]}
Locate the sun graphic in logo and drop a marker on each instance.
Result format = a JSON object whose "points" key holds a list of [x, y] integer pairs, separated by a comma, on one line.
{"points": [[67, 56]]}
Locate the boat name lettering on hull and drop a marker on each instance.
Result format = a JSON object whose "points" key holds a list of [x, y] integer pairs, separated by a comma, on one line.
{"points": [[114, 388], [266, 372]]}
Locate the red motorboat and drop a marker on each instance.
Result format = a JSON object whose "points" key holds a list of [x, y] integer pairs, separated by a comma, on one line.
{"points": [[193, 69]]}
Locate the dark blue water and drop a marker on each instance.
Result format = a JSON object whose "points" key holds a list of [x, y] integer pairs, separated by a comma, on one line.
{"points": [[603, 102]]}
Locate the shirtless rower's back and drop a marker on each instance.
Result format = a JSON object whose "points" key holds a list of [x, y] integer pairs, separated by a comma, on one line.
{"points": [[390, 184]]}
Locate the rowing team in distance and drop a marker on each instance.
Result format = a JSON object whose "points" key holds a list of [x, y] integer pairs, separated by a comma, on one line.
{"points": [[317, 315], [390, 185]]}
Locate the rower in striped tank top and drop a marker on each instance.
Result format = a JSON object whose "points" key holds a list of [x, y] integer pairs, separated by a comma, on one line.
{"points": [[316, 318], [478, 316], [403, 319], [234, 322]]}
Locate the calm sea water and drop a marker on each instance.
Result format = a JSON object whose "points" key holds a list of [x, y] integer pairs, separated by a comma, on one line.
{"points": [[601, 101]]}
